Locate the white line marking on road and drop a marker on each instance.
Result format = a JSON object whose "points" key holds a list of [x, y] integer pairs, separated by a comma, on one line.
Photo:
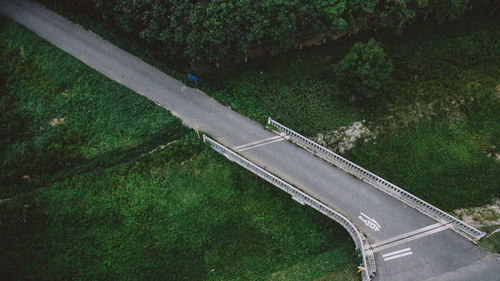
{"points": [[411, 238], [405, 235], [396, 252], [258, 143], [398, 256], [254, 146]]}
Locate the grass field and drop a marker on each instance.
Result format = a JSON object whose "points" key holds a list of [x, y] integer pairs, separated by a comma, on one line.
{"points": [[437, 130], [85, 195], [99, 183]]}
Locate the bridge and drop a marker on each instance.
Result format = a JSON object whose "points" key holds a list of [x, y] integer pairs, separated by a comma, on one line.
{"points": [[399, 236]]}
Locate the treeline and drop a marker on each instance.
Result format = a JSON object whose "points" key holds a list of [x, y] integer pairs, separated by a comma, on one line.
{"points": [[211, 32]]}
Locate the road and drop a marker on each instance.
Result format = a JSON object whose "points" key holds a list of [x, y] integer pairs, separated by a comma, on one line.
{"points": [[408, 245]]}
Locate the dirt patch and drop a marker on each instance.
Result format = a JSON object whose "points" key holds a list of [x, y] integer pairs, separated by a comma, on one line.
{"points": [[480, 216], [344, 138], [409, 115], [56, 121], [160, 147], [497, 91]]}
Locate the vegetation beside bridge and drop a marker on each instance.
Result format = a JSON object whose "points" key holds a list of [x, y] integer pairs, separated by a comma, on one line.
{"points": [[99, 183]]}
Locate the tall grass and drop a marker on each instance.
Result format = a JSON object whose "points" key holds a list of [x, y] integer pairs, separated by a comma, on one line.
{"points": [[436, 130], [119, 189]]}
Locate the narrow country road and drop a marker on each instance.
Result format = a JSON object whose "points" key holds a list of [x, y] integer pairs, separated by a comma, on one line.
{"points": [[436, 253]]}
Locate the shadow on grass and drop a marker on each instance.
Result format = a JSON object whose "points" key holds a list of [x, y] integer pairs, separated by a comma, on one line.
{"points": [[12, 187]]}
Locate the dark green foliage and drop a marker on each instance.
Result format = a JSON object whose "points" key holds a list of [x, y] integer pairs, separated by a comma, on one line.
{"points": [[211, 32], [438, 161], [364, 73], [120, 190], [437, 126], [292, 89]]}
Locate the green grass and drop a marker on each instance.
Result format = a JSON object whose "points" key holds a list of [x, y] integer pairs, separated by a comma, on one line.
{"points": [[444, 80], [436, 128], [436, 160], [89, 199], [439, 128], [293, 89], [492, 243]]}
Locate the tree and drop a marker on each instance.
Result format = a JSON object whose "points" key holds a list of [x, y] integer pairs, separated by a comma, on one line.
{"points": [[444, 10], [207, 33], [364, 72]]}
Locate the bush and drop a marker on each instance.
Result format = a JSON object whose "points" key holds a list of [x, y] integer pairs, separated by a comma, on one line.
{"points": [[364, 72]]}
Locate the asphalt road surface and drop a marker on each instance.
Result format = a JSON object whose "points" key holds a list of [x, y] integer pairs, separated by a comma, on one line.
{"points": [[408, 245]]}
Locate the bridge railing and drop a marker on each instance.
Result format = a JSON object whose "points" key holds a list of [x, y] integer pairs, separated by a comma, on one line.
{"points": [[361, 243], [459, 226]]}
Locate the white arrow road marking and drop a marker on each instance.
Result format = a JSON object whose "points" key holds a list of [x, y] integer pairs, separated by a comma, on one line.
{"points": [[371, 223], [397, 254]]}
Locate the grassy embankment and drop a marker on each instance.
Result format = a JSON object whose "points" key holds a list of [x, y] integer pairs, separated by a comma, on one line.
{"points": [[437, 129], [492, 243], [88, 193]]}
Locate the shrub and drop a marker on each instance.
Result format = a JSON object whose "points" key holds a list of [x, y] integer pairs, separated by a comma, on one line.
{"points": [[364, 72]]}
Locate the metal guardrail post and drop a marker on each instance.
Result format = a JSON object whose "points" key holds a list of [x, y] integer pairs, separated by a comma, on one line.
{"points": [[361, 243], [411, 200]]}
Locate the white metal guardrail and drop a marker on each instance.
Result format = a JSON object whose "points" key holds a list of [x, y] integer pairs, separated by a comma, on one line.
{"points": [[361, 243], [459, 226]]}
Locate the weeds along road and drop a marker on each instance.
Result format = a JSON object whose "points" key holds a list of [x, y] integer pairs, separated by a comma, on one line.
{"points": [[407, 244]]}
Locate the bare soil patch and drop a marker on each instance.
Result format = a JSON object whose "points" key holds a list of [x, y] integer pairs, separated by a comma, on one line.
{"points": [[56, 121], [481, 216]]}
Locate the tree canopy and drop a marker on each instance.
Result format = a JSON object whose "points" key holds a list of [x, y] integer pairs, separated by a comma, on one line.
{"points": [[209, 32], [364, 72]]}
